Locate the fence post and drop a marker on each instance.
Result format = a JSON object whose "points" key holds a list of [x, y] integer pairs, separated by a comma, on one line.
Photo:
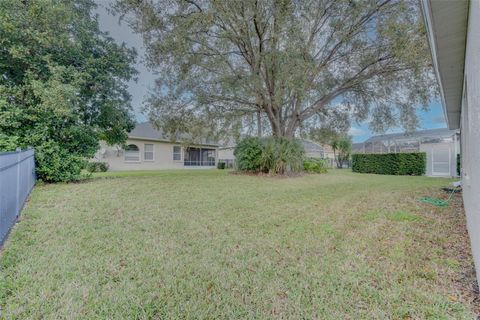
{"points": [[17, 208]]}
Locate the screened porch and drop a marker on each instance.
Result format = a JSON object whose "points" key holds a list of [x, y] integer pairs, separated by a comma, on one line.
{"points": [[200, 157]]}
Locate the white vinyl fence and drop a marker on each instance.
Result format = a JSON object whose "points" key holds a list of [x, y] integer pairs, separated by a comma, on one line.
{"points": [[17, 178]]}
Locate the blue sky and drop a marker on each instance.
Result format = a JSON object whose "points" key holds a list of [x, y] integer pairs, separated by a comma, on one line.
{"points": [[122, 33]]}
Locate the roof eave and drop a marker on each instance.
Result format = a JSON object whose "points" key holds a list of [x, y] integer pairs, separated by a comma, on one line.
{"points": [[170, 141], [447, 42]]}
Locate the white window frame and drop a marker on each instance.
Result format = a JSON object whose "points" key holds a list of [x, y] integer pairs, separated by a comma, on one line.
{"points": [[173, 153], [153, 152], [132, 161]]}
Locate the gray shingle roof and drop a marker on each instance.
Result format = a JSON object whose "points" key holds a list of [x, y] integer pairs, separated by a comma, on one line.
{"points": [[311, 147], [147, 131]]}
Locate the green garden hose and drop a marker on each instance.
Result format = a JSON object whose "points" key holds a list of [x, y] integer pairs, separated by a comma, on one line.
{"points": [[438, 202]]}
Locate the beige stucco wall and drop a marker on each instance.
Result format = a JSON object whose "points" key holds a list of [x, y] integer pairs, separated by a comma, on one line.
{"points": [[163, 156], [470, 132], [226, 154]]}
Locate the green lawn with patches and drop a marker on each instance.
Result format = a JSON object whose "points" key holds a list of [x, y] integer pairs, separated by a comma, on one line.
{"points": [[210, 244]]}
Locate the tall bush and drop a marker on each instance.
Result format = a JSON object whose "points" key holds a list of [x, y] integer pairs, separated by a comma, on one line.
{"points": [[281, 155], [272, 155], [390, 163], [63, 84], [248, 154]]}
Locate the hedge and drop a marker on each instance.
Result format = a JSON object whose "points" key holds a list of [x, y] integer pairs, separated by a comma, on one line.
{"points": [[97, 167], [412, 164]]}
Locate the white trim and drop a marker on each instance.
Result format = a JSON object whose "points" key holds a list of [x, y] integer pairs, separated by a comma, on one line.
{"points": [[153, 152], [173, 142], [173, 153], [427, 15], [447, 43], [132, 161]]}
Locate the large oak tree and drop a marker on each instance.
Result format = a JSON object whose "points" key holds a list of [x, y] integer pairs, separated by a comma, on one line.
{"points": [[291, 64]]}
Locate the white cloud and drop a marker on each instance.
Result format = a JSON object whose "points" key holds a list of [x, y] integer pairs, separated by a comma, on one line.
{"points": [[353, 131]]}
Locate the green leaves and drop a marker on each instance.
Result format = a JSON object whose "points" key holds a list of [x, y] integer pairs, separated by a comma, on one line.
{"points": [[62, 84], [292, 61], [413, 164], [269, 155]]}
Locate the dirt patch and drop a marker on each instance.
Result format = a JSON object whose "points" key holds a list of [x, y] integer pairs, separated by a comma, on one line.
{"points": [[465, 281]]}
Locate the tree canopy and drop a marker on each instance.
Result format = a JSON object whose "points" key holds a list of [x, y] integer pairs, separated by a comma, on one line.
{"points": [[296, 64], [63, 84]]}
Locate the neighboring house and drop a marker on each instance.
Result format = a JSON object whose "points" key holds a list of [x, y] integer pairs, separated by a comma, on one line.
{"points": [[312, 149], [225, 154], [328, 152], [453, 29], [440, 145], [148, 149]]}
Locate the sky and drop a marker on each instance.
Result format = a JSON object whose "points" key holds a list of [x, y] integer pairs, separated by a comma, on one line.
{"points": [[121, 32]]}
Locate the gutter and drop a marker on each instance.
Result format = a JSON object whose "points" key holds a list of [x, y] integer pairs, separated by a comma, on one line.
{"points": [[170, 141]]}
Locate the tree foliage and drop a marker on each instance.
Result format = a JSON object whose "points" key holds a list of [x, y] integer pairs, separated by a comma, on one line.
{"points": [[342, 148], [339, 141], [297, 63], [62, 84], [271, 155]]}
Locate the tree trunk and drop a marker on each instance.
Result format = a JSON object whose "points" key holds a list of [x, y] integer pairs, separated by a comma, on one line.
{"points": [[335, 158], [259, 123]]}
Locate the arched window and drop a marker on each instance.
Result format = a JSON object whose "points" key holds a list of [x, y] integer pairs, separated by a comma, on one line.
{"points": [[132, 153]]}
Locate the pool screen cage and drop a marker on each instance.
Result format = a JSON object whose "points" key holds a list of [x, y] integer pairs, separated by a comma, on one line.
{"points": [[405, 142]]}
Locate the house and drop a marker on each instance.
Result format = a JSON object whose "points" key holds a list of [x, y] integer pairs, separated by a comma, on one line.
{"points": [[440, 145], [225, 154], [312, 150], [147, 148], [453, 29]]}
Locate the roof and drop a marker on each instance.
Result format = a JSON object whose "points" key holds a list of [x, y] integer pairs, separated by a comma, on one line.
{"points": [[446, 23], [444, 132], [311, 147], [146, 131]]}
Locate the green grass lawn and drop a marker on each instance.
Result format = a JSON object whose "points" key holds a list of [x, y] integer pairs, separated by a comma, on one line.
{"points": [[210, 244]]}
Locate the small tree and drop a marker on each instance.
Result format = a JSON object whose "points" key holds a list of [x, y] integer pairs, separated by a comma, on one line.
{"points": [[342, 148]]}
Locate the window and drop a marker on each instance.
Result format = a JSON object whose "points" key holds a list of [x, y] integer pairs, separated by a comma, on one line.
{"points": [[177, 153], [132, 153], [148, 152]]}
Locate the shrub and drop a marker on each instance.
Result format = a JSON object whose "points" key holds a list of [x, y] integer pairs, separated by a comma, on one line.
{"points": [[248, 154], [55, 164], [314, 165], [390, 163], [281, 155], [97, 167], [221, 165], [272, 155]]}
